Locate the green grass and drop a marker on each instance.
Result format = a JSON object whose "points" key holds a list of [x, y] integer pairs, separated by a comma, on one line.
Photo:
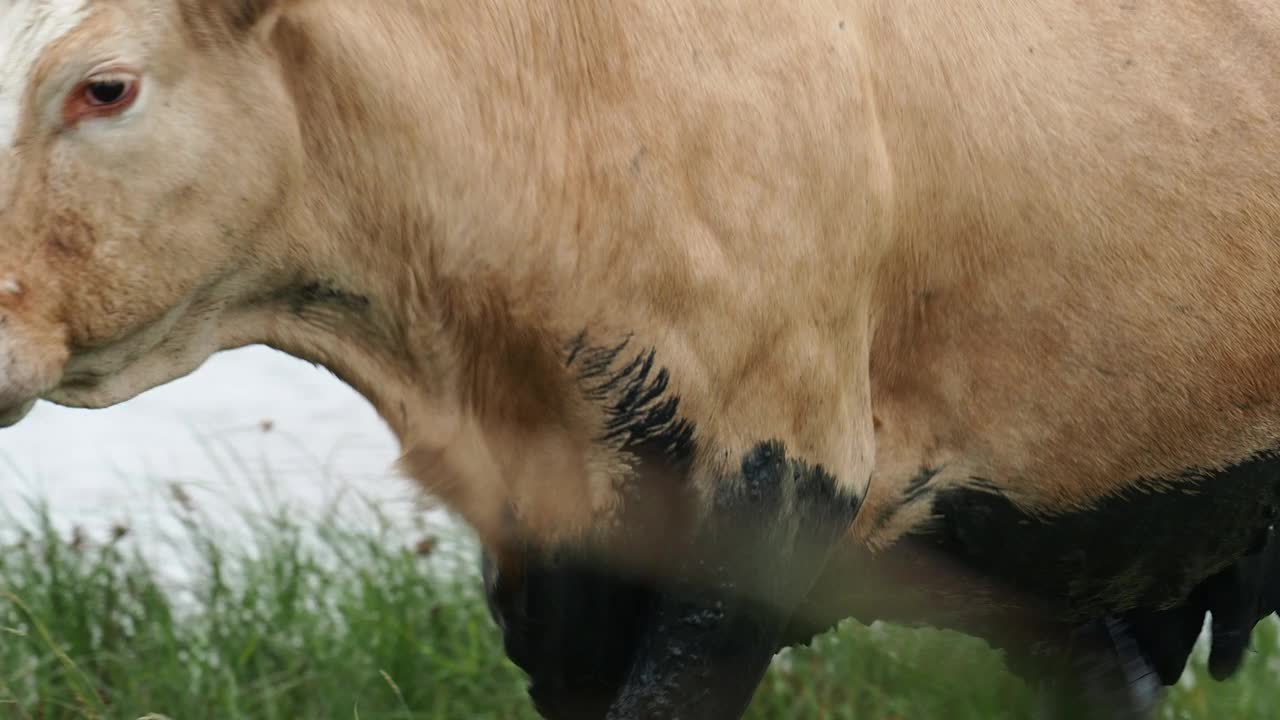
{"points": [[304, 621]]}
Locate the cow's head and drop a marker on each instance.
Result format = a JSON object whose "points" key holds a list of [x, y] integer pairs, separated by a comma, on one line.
{"points": [[144, 145]]}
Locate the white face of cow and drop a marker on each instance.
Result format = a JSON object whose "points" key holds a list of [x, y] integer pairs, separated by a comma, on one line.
{"points": [[144, 147]]}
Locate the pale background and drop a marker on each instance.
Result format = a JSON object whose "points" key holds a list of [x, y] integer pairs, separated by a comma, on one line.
{"points": [[252, 427]]}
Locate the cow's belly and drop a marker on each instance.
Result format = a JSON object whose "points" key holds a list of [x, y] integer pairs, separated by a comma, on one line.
{"points": [[1143, 549], [1100, 440], [984, 565], [997, 526], [1083, 460]]}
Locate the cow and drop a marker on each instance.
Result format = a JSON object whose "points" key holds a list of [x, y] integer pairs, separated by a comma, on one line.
{"points": [[731, 318]]}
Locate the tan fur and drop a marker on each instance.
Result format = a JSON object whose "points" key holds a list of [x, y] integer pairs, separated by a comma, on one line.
{"points": [[1032, 242]]}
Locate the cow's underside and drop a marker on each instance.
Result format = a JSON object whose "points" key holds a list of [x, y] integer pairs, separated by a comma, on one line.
{"points": [[678, 609], [1097, 606]]}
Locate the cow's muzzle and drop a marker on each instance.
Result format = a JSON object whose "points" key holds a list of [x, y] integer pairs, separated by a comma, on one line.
{"points": [[31, 364]]}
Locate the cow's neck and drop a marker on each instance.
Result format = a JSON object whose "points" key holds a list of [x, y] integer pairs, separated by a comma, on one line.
{"points": [[454, 343]]}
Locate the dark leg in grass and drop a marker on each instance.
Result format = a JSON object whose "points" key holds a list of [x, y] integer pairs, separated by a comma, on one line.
{"points": [[1100, 673], [1121, 664], [693, 640], [571, 625]]}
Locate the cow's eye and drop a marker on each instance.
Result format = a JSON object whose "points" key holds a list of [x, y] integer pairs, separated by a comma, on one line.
{"points": [[106, 92], [101, 95]]}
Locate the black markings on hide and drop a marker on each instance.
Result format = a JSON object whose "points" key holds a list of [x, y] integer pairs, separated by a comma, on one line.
{"points": [[1148, 549], [642, 422], [1041, 588], [757, 554], [642, 415], [775, 524]]}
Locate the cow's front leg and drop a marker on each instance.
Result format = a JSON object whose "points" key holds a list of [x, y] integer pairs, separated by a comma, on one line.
{"points": [[760, 548], [570, 623]]}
